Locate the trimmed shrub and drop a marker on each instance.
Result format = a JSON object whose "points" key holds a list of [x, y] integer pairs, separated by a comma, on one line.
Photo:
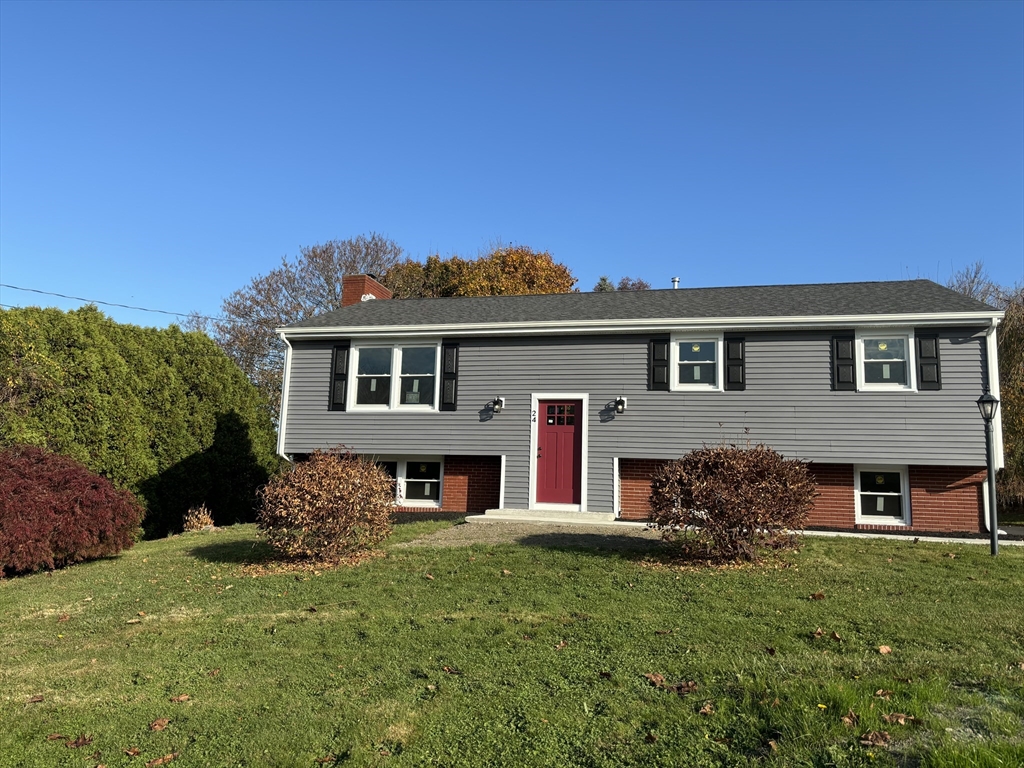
{"points": [[728, 502], [327, 506], [54, 511], [197, 518]]}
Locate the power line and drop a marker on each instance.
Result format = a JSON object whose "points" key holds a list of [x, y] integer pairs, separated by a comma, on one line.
{"points": [[106, 303]]}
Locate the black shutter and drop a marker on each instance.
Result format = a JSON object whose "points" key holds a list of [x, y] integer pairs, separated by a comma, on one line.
{"points": [[844, 363], [339, 377], [449, 376], [657, 365], [929, 376], [735, 363]]}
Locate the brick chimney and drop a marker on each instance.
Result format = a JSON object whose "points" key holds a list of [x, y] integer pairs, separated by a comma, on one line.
{"points": [[357, 288]]}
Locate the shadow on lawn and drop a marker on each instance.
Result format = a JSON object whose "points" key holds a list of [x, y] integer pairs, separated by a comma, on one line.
{"points": [[597, 543], [235, 552]]}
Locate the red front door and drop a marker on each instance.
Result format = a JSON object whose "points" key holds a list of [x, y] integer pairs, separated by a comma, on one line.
{"points": [[559, 451]]}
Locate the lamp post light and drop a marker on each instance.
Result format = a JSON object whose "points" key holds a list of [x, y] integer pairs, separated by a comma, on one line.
{"points": [[988, 405]]}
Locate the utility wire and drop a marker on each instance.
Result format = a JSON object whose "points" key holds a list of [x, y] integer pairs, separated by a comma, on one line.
{"points": [[105, 303]]}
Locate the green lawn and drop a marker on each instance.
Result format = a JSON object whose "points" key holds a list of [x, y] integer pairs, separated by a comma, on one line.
{"points": [[516, 655]]}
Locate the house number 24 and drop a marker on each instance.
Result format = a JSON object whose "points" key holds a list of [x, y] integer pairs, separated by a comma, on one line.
{"points": [[533, 416]]}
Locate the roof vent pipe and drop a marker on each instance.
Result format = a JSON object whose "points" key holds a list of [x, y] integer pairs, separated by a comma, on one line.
{"points": [[675, 282]]}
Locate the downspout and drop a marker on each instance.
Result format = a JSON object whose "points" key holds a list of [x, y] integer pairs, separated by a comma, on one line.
{"points": [[282, 418]]}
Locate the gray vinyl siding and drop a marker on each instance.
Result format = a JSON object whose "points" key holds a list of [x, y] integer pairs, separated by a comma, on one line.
{"points": [[787, 404]]}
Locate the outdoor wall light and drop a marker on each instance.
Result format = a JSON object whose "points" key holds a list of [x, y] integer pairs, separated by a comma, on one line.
{"points": [[497, 404], [988, 405], [620, 405]]}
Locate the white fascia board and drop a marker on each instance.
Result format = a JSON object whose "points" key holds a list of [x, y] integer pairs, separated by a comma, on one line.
{"points": [[658, 324], [283, 411]]}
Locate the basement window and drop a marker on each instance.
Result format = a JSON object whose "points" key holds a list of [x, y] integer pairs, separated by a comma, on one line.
{"points": [[417, 481], [882, 495]]}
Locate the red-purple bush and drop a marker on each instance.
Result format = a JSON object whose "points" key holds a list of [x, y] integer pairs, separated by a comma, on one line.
{"points": [[728, 501], [54, 512]]}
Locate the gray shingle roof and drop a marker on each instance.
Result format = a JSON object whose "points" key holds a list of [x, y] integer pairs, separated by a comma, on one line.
{"points": [[822, 299]]}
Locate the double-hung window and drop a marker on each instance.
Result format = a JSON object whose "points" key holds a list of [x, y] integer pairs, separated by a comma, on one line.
{"points": [[697, 363], [885, 359], [417, 481], [882, 495], [377, 385]]}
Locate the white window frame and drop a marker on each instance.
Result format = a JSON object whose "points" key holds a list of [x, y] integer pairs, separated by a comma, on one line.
{"points": [[401, 472], [874, 333], [862, 519], [396, 376], [678, 386]]}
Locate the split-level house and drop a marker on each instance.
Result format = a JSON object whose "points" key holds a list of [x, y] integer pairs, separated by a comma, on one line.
{"points": [[569, 402]]}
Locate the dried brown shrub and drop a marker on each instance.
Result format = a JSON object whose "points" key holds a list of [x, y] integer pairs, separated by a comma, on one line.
{"points": [[326, 507], [728, 502], [197, 518]]}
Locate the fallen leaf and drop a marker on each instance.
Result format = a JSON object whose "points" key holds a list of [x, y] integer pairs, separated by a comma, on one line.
{"points": [[606, 675], [822, 706], [36, 699], [561, 644], [817, 596], [875, 739], [663, 631], [160, 724], [142, 613], [505, 572], [527, 637], [850, 719], [651, 737], [63, 617], [181, 698], [683, 688], [311, 609], [769, 650], [708, 708], [835, 636], [431, 687], [903, 679], [328, 760], [133, 751], [723, 740], [951, 555], [773, 745], [900, 718], [81, 741], [56, 737], [134, 621], [161, 760], [883, 694], [656, 679], [776, 702], [819, 632], [452, 670], [429, 576], [884, 649]]}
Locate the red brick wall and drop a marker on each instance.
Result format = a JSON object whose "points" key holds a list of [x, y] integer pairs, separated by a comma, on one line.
{"points": [[635, 486], [472, 484], [834, 507], [942, 499], [354, 286]]}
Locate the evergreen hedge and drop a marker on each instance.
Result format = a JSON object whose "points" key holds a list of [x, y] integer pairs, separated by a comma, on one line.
{"points": [[161, 412]]}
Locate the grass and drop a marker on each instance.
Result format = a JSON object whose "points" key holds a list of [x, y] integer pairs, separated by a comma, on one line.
{"points": [[520, 655]]}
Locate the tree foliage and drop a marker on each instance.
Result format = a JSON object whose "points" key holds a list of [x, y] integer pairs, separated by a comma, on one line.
{"points": [[327, 506], [728, 502], [160, 412], [54, 511], [974, 281], [605, 285], [505, 271], [306, 286]]}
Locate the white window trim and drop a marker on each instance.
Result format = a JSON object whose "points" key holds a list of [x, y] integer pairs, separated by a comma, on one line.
{"points": [[402, 470], [678, 386], [904, 492], [396, 376], [872, 333]]}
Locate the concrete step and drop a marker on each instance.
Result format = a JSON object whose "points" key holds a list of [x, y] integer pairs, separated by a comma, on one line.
{"points": [[543, 516]]}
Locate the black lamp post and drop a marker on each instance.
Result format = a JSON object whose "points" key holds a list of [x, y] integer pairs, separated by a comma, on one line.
{"points": [[988, 406]]}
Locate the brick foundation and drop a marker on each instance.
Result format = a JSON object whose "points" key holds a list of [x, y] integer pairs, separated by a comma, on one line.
{"points": [[942, 499], [472, 485]]}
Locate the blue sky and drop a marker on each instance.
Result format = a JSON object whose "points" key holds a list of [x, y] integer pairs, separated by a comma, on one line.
{"points": [[163, 154]]}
